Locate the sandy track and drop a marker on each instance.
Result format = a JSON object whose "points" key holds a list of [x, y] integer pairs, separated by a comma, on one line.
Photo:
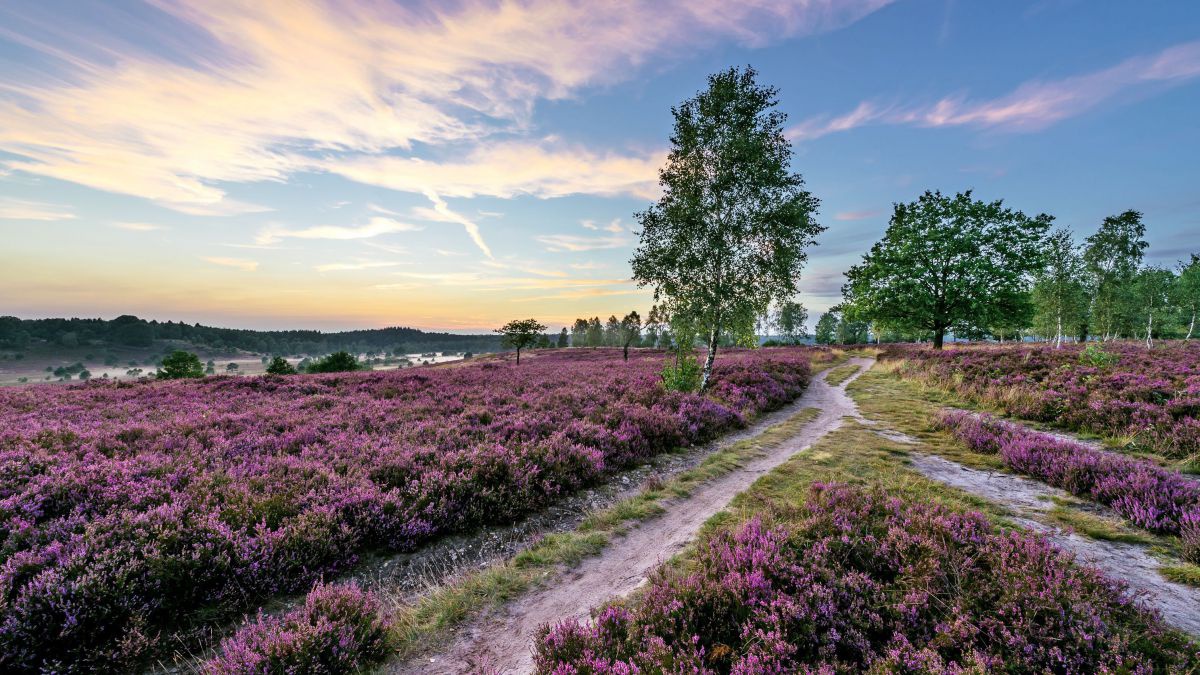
{"points": [[1027, 499], [502, 642]]}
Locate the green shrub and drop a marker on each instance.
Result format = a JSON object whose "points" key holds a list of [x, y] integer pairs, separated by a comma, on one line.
{"points": [[179, 365], [683, 375], [280, 366], [337, 362]]}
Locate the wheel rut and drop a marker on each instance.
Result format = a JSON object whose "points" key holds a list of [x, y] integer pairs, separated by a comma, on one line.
{"points": [[501, 640]]}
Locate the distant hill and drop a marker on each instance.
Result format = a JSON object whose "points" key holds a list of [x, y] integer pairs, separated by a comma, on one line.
{"points": [[130, 331]]}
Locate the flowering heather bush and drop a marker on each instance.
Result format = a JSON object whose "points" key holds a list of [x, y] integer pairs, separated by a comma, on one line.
{"points": [[1150, 496], [128, 508], [1151, 394], [337, 630], [857, 581]]}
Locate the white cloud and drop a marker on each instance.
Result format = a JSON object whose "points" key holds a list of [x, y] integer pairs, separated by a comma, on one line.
{"points": [[351, 266], [242, 264], [613, 226], [139, 227], [375, 227], [441, 213], [20, 209], [570, 242], [264, 89]]}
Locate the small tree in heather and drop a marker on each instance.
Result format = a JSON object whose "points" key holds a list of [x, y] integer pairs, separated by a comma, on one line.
{"points": [[337, 362], [1152, 289], [179, 365], [630, 331], [1187, 292], [1059, 296], [280, 366], [790, 320], [520, 333], [947, 262], [730, 233], [827, 328], [1112, 258], [562, 338]]}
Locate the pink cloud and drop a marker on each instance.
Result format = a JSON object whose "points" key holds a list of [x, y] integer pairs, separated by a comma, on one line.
{"points": [[857, 215], [1032, 106]]}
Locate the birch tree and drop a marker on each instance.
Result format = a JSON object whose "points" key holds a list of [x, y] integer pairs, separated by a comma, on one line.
{"points": [[1059, 294], [1187, 292], [1152, 290], [1112, 257], [730, 233]]}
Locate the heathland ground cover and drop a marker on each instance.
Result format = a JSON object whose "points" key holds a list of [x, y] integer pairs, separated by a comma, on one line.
{"points": [[1148, 396], [844, 560], [133, 509]]}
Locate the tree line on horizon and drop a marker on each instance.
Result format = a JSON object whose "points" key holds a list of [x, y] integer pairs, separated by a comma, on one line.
{"points": [[979, 270], [131, 331]]}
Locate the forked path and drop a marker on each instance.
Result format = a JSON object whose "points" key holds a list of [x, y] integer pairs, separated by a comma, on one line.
{"points": [[501, 642]]}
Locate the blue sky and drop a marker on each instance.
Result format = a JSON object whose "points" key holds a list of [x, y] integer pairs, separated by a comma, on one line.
{"points": [[337, 165]]}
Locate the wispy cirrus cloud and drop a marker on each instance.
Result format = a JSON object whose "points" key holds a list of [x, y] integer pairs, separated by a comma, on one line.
{"points": [[262, 91], [441, 212], [543, 168], [21, 209], [377, 226], [1032, 106], [243, 264], [569, 242], [355, 266], [139, 227], [857, 215], [613, 226]]}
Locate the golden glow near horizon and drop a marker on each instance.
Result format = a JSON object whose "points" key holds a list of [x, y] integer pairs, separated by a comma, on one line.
{"points": [[345, 164]]}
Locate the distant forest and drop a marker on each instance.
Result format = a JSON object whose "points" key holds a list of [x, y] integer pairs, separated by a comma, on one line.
{"points": [[130, 331]]}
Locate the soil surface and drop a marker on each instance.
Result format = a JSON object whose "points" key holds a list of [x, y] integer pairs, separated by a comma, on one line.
{"points": [[1179, 604], [1072, 438], [501, 640]]}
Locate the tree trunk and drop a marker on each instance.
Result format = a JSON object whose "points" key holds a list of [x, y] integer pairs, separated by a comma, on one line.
{"points": [[626, 353], [1058, 344], [1149, 329], [712, 355], [1192, 325], [939, 335], [518, 356]]}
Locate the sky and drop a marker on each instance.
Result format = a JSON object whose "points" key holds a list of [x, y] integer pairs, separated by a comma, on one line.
{"points": [[453, 165]]}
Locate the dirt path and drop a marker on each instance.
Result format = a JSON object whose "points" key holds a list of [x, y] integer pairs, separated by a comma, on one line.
{"points": [[1028, 499], [1071, 438], [501, 642]]}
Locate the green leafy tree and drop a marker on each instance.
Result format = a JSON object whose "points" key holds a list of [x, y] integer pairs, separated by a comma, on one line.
{"points": [[790, 320], [179, 365], [337, 362], [563, 339], [595, 332], [1112, 257], [85, 375], [1152, 290], [1059, 295], [629, 332], [947, 263], [1187, 292], [730, 234], [579, 333], [826, 332], [521, 333]]}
